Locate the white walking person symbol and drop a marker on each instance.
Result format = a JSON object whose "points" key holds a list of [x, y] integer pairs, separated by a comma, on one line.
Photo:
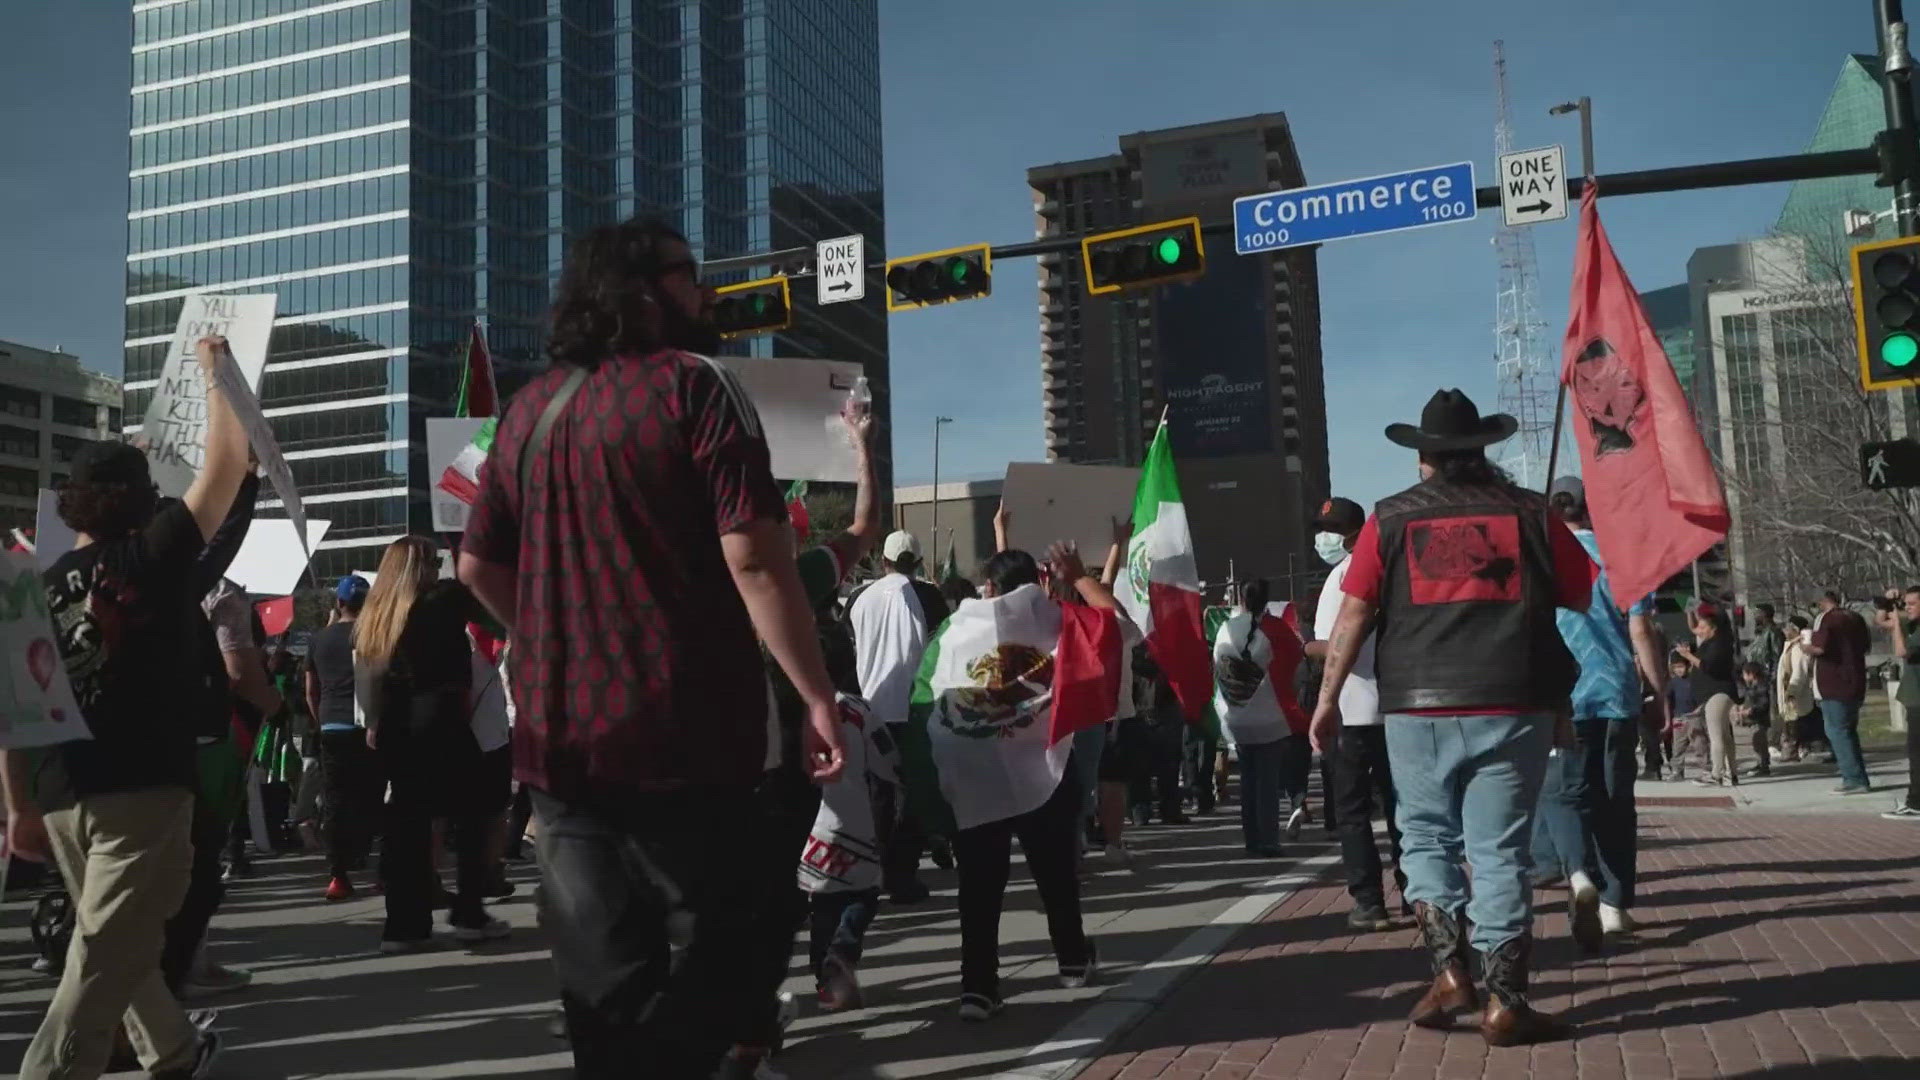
{"points": [[1877, 468]]}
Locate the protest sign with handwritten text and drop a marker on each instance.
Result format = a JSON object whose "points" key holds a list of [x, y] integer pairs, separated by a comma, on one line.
{"points": [[37, 707], [266, 449], [175, 428]]}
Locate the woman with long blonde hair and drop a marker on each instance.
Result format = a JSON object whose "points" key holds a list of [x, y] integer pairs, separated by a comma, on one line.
{"points": [[413, 664]]}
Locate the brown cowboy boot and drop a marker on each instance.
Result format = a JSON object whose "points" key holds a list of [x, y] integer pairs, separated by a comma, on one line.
{"points": [[1509, 1020], [1452, 990]]}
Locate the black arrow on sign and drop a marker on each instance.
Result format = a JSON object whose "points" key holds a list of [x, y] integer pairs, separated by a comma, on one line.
{"points": [[842, 287], [1540, 207]]}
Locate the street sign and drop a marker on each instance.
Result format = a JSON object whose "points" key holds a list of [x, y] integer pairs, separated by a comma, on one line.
{"points": [[1533, 186], [1272, 220], [1893, 464], [840, 269]]}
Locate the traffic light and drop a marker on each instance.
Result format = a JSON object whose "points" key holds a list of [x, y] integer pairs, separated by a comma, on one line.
{"points": [[1886, 312], [1145, 255], [753, 307], [939, 277]]}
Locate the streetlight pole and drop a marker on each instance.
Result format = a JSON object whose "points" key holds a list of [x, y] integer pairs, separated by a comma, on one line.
{"points": [[1585, 108], [938, 422], [1896, 83]]}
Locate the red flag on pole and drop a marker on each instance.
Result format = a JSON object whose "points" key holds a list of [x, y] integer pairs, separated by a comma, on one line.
{"points": [[477, 395], [1086, 673], [1656, 501]]}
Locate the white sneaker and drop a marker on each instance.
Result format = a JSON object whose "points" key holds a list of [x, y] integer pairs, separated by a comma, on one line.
{"points": [[1615, 920], [1584, 910], [1295, 821], [789, 1009]]}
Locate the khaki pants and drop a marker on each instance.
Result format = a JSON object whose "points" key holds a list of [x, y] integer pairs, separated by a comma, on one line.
{"points": [[126, 858]]}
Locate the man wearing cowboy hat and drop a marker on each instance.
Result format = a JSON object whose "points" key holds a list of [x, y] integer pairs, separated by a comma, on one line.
{"points": [[1459, 577]]}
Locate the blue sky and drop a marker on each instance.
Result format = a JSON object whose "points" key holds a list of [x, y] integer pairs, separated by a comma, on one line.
{"points": [[975, 93]]}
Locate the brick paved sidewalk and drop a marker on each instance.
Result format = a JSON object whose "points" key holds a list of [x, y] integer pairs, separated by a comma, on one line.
{"points": [[1773, 946]]}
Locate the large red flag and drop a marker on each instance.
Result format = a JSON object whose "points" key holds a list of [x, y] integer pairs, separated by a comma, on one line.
{"points": [[1656, 501], [1283, 636], [1086, 671], [275, 615]]}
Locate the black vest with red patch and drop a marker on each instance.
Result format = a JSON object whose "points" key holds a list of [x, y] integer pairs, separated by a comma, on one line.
{"points": [[1467, 601]]}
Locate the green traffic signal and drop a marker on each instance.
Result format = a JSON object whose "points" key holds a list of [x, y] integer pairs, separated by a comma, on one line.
{"points": [[1168, 250], [1899, 350]]}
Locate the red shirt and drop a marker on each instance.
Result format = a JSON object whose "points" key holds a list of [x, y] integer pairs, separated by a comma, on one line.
{"points": [[1573, 574], [634, 665]]}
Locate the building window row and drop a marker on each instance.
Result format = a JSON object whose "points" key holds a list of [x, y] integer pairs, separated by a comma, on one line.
{"points": [[286, 124], [280, 168], [312, 75], [291, 210], [19, 441], [178, 20], [355, 243], [332, 292], [267, 42]]}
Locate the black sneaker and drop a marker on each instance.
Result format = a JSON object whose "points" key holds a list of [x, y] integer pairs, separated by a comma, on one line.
{"points": [[908, 893], [1368, 919], [979, 1008], [203, 1059]]}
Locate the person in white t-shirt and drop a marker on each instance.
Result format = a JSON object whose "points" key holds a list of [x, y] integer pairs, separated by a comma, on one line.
{"points": [[1360, 770]]}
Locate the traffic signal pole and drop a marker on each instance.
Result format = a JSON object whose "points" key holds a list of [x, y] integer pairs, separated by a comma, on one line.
{"points": [[1896, 84]]}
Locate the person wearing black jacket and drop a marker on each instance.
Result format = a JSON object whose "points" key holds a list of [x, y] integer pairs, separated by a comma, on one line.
{"points": [[414, 678]]}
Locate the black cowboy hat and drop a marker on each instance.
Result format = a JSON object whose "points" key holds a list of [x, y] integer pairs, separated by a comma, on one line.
{"points": [[1451, 421]]}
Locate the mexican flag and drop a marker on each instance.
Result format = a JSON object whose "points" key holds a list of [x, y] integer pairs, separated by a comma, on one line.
{"points": [[462, 478], [797, 509], [477, 395], [951, 571], [1003, 684], [1160, 584], [1267, 663]]}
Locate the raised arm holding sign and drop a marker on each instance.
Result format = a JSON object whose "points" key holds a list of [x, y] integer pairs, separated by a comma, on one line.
{"points": [[224, 463]]}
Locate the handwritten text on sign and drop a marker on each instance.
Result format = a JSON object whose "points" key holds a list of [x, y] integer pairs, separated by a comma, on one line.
{"points": [[37, 707], [175, 428]]}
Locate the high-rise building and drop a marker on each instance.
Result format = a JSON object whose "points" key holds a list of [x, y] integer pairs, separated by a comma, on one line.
{"points": [[1855, 112], [50, 406], [396, 170], [1670, 312], [1233, 357]]}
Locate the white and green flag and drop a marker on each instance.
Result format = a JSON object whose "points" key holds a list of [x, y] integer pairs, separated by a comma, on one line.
{"points": [[1160, 585]]}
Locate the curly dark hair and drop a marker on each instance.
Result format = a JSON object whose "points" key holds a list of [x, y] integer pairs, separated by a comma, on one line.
{"points": [[608, 278], [106, 510]]}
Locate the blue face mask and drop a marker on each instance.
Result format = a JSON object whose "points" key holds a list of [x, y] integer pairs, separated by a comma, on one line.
{"points": [[1330, 546]]}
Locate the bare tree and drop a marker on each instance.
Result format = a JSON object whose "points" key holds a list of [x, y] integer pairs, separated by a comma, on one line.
{"points": [[1795, 417]]}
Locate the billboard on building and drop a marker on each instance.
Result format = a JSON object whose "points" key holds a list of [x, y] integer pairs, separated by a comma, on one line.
{"points": [[1213, 362], [1205, 167]]}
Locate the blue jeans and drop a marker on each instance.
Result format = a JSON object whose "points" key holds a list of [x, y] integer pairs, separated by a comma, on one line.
{"points": [[1468, 785], [1586, 819], [838, 925], [1083, 765], [1843, 734], [1261, 769]]}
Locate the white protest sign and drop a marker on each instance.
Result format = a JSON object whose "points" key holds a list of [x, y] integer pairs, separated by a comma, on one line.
{"points": [[51, 537], [266, 449], [271, 559], [1049, 502], [799, 403], [446, 437], [175, 428], [37, 706]]}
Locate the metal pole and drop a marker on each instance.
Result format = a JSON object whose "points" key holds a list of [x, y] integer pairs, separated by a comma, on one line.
{"points": [[934, 528], [1896, 85], [1586, 136]]}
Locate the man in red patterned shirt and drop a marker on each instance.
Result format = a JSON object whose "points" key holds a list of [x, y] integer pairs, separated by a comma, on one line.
{"points": [[647, 550]]}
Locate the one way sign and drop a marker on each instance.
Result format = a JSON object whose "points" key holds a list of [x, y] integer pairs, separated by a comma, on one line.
{"points": [[840, 269], [1533, 186]]}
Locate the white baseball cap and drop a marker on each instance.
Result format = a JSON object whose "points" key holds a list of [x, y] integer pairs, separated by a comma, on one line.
{"points": [[900, 543]]}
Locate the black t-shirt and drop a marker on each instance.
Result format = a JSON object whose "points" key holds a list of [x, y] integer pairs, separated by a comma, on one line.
{"points": [[332, 658], [123, 617], [1715, 673]]}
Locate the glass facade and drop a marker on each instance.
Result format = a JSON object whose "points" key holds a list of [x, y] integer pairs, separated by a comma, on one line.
{"points": [[396, 170]]}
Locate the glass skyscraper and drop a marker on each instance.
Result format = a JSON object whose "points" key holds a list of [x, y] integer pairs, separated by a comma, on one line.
{"points": [[396, 170], [1855, 112]]}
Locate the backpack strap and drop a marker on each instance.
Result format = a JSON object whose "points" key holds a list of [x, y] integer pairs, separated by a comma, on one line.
{"points": [[544, 426]]}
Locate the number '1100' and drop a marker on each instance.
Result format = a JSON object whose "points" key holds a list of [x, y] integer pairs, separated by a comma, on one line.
{"points": [[1443, 211]]}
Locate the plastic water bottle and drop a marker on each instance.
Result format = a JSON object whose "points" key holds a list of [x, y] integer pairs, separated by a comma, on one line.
{"points": [[859, 400]]}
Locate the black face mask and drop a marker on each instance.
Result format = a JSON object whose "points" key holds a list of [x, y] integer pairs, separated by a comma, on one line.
{"points": [[688, 333]]}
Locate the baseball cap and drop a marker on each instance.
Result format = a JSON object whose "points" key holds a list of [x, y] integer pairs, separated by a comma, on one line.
{"points": [[901, 543], [351, 588], [1571, 486], [1340, 515], [109, 461]]}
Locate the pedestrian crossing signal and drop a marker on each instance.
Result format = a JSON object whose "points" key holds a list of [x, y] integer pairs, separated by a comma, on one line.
{"points": [[1144, 255], [1886, 312], [939, 277], [752, 307], [1893, 464]]}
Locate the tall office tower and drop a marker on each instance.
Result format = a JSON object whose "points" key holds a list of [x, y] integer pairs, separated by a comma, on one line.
{"points": [[1232, 357], [396, 170]]}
